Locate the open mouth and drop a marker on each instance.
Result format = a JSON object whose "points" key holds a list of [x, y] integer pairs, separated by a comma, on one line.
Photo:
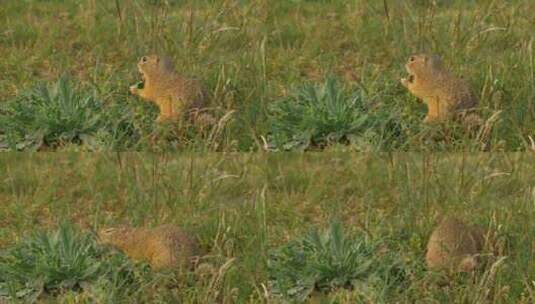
{"points": [[140, 85]]}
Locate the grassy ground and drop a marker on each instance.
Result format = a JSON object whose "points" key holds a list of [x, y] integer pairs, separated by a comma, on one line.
{"points": [[240, 207], [252, 53]]}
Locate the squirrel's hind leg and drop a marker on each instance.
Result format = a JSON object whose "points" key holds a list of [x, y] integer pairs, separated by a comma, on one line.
{"points": [[166, 110]]}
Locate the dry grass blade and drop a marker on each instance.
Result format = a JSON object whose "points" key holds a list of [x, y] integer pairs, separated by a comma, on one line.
{"points": [[214, 287], [486, 283], [217, 130], [532, 143], [485, 130]]}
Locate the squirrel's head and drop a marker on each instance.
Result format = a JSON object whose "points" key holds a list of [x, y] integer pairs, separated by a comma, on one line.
{"points": [[468, 263], [112, 236], [154, 64], [423, 63]]}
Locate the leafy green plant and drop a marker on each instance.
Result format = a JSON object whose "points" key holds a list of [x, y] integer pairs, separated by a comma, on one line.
{"points": [[61, 261], [330, 260], [316, 116], [51, 115]]}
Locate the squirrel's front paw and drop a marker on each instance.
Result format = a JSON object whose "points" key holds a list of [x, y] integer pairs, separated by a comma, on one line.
{"points": [[133, 89], [163, 119], [406, 81], [432, 120]]}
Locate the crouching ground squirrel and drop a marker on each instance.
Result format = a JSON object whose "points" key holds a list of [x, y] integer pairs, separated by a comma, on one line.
{"points": [[454, 246], [175, 95], [165, 246], [446, 96]]}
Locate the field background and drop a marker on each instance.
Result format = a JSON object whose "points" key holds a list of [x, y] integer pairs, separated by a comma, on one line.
{"points": [[242, 206], [251, 53]]}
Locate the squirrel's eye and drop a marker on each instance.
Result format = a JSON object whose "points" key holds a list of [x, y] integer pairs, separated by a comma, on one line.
{"points": [[144, 59], [412, 58]]}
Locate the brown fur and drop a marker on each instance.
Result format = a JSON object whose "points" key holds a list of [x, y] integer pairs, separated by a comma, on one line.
{"points": [[165, 246], [174, 94], [445, 95], [455, 246]]}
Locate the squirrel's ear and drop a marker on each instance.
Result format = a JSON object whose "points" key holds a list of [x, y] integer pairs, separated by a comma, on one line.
{"points": [[436, 60], [157, 59]]}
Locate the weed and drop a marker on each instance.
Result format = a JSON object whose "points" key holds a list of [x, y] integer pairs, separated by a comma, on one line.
{"points": [[320, 115], [59, 262], [330, 260], [49, 116]]}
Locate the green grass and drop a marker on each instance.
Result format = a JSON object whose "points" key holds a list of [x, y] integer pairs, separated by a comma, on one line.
{"points": [[242, 208], [253, 53]]}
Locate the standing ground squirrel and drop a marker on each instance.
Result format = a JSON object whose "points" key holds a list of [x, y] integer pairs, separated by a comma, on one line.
{"points": [[165, 246], [455, 246], [445, 95], [174, 94]]}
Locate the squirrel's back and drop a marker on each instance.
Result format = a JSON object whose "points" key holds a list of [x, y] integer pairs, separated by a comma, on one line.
{"points": [[177, 88], [454, 245], [162, 246]]}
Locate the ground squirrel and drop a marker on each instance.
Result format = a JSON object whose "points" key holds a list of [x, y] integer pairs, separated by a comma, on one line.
{"points": [[445, 95], [455, 246], [174, 94], [165, 246]]}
